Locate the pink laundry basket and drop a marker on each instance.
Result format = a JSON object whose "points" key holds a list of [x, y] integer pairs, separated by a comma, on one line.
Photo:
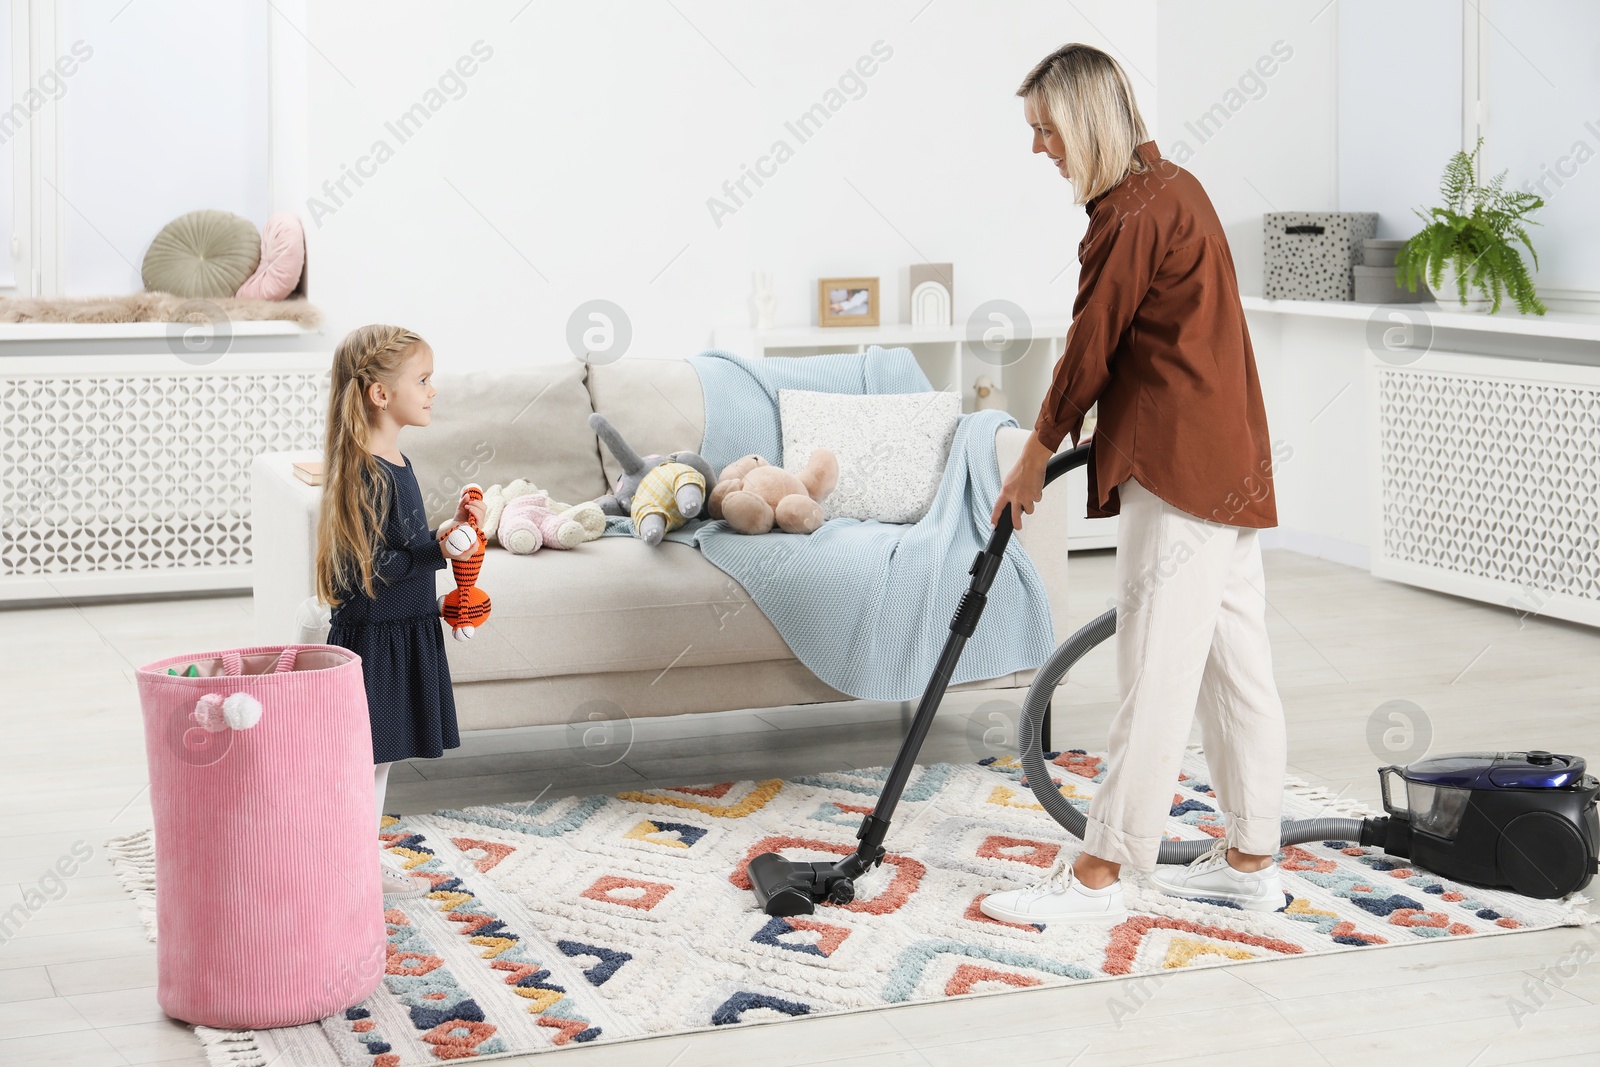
{"points": [[269, 898]]}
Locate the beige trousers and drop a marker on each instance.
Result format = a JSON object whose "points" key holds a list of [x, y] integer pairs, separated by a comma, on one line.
{"points": [[1191, 641]]}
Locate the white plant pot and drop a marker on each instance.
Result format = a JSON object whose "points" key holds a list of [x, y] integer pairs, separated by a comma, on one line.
{"points": [[1478, 299]]}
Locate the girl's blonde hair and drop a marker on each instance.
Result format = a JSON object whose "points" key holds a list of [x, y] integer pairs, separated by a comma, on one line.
{"points": [[350, 524], [1085, 95]]}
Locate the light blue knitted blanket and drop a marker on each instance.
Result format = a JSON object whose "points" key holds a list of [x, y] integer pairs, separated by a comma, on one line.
{"points": [[867, 605]]}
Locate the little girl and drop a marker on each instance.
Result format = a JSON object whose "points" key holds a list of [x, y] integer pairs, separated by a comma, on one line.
{"points": [[376, 556]]}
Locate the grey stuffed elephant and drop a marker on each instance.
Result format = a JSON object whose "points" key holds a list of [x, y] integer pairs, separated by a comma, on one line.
{"points": [[690, 498]]}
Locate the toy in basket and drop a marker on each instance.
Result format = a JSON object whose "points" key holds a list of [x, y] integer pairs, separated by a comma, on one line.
{"points": [[466, 607]]}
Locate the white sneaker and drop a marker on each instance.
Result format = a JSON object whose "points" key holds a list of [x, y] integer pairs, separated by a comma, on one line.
{"points": [[1057, 897], [1211, 877], [399, 882]]}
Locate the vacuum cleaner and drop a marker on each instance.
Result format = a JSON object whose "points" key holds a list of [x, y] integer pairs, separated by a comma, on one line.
{"points": [[1523, 820]]}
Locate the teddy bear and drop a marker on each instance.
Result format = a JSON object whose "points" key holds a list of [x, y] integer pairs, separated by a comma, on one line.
{"points": [[670, 497], [753, 496], [496, 497], [530, 523]]}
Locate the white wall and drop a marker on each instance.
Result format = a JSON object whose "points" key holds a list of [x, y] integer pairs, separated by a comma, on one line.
{"points": [[1257, 142], [576, 161], [1542, 84], [1277, 150], [1399, 106]]}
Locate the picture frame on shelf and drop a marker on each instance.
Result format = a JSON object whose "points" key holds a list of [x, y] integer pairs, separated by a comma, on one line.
{"points": [[847, 301]]}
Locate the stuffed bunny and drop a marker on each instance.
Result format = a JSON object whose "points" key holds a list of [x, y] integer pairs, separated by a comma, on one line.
{"points": [[530, 523], [496, 497], [753, 496]]}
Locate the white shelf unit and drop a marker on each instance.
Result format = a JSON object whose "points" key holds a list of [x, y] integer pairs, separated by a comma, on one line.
{"points": [[951, 363], [1555, 325]]}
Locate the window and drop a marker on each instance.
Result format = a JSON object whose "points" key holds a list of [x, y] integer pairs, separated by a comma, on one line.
{"points": [[123, 117]]}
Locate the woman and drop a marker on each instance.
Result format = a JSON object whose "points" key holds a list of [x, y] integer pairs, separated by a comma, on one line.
{"points": [[1180, 451]]}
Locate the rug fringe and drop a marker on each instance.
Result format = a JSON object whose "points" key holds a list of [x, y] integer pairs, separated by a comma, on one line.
{"points": [[133, 860], [231, 1048], [1576, 903], [1334, 803]]}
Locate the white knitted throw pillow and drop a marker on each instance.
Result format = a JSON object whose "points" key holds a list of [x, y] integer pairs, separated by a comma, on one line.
{"points": [[892, 447]]}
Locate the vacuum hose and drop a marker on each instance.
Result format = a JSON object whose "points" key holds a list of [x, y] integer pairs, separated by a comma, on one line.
{"points": [[1062, 810]]}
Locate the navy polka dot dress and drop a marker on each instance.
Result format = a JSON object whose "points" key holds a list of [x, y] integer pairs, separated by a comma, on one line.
{"points": [[398, 634]]}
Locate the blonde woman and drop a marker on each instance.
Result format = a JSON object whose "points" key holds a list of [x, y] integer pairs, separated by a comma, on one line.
{"points": [[1180, 452]]}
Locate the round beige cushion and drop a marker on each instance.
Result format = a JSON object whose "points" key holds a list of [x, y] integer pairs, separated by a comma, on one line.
{"points": [[202, 254]]}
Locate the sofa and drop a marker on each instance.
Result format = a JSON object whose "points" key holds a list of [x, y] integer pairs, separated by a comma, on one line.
{"points": [[614, 625]]}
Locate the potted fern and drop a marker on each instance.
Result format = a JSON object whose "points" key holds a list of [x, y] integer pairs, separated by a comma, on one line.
{"points": [[1467, 244]]}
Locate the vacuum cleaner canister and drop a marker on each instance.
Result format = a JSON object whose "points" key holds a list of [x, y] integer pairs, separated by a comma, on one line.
{"points": [[1523, 821]]}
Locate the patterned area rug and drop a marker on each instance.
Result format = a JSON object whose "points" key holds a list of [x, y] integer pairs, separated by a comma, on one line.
{"points": [[607, 918]]}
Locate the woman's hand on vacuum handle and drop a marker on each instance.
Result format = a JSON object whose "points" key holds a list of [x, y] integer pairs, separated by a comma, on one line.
{"points": [[1024, 485]]}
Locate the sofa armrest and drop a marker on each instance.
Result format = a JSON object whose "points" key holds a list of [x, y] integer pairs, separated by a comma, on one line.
{"points": [[1044, 531], [283, 543]]}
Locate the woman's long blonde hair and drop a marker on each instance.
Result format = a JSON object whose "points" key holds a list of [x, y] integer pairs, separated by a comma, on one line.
{"points": [[1085, 95], [355, 493]]}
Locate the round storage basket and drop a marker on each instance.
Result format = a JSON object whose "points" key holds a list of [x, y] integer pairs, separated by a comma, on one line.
{"points": [[269, 899]]}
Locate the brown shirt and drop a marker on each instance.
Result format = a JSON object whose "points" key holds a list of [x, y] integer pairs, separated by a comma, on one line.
{"points": [[1158, 338]]}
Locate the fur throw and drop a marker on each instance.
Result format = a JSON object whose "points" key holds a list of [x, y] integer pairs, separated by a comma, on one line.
{"points": [[154, 307]]}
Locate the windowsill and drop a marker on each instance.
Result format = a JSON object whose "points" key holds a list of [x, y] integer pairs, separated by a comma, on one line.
{"points": [[102, 331], [1568, 325]]}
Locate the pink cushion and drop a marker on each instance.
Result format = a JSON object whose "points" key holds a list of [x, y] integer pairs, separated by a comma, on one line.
{"points": [[283, 257]]}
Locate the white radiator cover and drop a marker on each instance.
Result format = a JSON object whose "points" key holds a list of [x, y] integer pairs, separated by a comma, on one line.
{"points": [[132, 475], [1488, 481]]}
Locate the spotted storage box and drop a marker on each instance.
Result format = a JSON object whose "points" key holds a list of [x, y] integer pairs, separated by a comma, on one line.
{"points": [[1309, 253]]}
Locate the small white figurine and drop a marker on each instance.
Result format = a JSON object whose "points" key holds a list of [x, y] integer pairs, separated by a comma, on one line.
{"points": [[988, 394], [766, 301]]}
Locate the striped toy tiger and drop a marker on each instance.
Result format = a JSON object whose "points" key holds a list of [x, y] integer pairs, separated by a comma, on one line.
{"points": [[466, 607]]}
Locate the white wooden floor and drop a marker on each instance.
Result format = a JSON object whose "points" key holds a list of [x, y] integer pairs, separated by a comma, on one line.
{"points": [[77, 982]]}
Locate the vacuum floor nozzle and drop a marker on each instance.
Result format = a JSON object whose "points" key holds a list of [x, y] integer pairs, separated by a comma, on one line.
{"points": [[796, 887]]}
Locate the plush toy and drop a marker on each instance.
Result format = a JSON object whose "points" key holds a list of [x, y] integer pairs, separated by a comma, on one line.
{"points": [[495, 499], [530, 523], [669, 495], [753, 496], [466, 607], [687, 494]]}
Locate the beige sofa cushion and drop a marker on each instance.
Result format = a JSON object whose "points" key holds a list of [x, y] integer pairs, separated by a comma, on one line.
{"points": [[656, 404], [493, 427], [613, 604]]}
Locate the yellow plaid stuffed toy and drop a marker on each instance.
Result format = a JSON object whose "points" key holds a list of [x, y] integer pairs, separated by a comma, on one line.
{"points": [[658, 494]]}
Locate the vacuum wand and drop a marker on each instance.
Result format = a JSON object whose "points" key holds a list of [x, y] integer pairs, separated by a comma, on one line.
{"points": [[795, 887]]}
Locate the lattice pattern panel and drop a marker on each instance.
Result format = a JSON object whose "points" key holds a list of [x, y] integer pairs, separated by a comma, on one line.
{"points": [[141, 472], [1490, 478]]}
